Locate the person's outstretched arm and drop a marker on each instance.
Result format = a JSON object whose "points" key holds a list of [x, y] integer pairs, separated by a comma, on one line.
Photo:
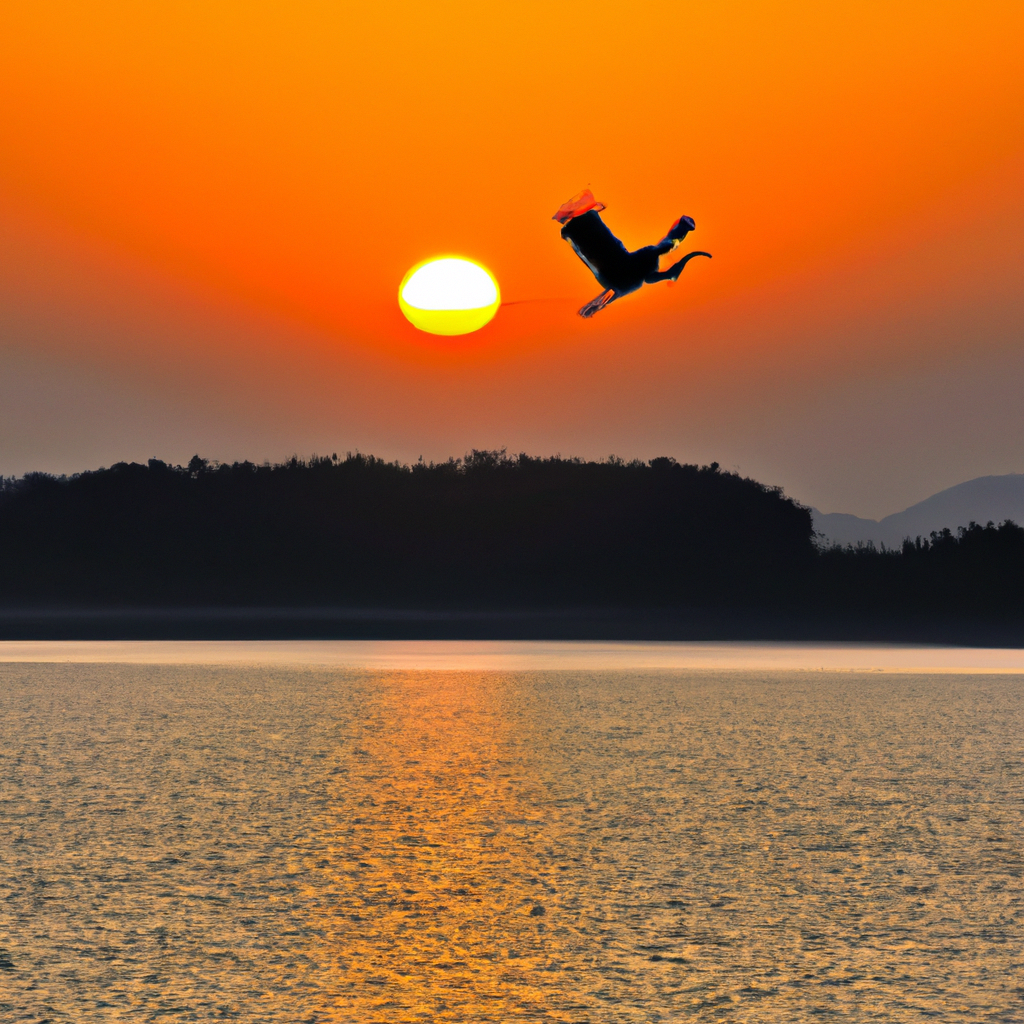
{"points": [[595, 305]]}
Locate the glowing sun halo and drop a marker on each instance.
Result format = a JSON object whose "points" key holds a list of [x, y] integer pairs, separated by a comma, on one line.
{"points": [[449, 295]]}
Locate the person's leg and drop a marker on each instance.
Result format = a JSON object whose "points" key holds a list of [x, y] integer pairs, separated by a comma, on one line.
{"points": [[676, 234], [664, 246], [673, 272]]}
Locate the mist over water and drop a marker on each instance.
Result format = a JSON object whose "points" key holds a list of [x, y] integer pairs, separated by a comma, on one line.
{"points": [[330, 844]]}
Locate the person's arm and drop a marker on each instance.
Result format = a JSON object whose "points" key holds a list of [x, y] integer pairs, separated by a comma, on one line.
{"points": [[595, 305]]}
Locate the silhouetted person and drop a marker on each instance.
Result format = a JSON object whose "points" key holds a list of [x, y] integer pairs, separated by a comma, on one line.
{"points": [[617, 270]]}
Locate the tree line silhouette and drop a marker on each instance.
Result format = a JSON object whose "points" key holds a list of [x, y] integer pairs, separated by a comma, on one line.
{"points": [[487, 531]]}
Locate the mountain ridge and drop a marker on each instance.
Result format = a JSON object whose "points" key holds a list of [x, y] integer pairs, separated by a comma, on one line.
{"points": [[983, 499]]}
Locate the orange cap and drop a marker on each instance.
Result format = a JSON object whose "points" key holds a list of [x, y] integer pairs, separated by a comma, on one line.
{"points": [[582, 203]]}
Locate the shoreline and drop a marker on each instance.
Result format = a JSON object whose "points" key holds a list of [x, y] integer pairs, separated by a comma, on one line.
{"points": [[527, 656]]}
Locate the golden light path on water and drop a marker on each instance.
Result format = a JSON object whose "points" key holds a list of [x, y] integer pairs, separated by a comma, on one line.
{"points": [[528, 655], [480, 832]]}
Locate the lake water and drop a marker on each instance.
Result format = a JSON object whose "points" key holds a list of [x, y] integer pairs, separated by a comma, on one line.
{"points": [[515, 832]]}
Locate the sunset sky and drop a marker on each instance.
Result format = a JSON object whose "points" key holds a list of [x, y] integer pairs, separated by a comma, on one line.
{"points": [[206, 211]]}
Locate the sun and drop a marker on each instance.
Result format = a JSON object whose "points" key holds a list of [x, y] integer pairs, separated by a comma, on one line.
{"points": [[449, 295]]}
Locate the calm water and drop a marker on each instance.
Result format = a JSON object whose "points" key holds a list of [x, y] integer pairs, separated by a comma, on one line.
{"points": [[333, 844]]}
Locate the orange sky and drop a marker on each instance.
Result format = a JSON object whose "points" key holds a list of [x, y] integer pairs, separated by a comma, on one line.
{"points": [[205, 211]]}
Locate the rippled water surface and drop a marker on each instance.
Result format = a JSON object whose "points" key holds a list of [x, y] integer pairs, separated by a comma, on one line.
{"points": [[273, 844]]}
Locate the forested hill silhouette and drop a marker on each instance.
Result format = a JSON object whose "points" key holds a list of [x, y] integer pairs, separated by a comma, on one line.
{"points": [[488, 529], [488, 532]]}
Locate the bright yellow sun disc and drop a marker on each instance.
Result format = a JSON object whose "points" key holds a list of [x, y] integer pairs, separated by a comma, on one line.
{"points": [[449, 295]]}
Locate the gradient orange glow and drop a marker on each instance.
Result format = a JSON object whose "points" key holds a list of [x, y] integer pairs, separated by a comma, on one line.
{"points": [[290, 163]]}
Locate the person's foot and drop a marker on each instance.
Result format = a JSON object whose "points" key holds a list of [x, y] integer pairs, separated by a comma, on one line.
{"points": [[681, 229]]}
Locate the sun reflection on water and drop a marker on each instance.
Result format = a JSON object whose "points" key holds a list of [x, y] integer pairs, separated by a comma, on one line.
{"points": [[444, 887]]}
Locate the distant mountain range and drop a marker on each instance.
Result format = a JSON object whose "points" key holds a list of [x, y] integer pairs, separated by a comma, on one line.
{"points": [[988, 498]]}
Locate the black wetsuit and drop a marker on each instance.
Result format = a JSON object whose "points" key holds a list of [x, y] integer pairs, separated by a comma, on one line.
{"points": [[613, 265]]}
